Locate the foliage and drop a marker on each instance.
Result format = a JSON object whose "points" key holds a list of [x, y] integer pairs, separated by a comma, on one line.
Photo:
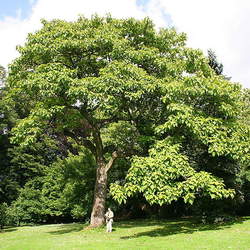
{"points": [[67, 189], [2, 76], [63, 192], [166, 175], [28, 207], [24, 164], [201, 126], [245, 112], [75, 85], [7, 120], [244, 175], [3, 214]]}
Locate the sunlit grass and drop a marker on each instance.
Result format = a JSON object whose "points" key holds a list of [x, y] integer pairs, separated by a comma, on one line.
{"points": [[138, 234]]}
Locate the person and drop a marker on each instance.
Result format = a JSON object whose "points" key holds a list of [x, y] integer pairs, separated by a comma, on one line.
{"points": [[109, 220]]}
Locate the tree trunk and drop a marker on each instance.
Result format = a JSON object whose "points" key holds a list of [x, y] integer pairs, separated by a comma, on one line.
{"points": [[98, 210]]}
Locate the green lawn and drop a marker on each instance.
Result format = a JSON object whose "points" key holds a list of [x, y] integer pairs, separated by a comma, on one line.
{"points": [[140, 234]]}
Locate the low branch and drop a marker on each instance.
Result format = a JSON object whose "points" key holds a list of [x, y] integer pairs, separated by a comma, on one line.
{"points": [[112, 160]]}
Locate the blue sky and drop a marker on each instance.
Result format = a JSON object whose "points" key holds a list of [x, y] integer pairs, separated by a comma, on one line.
{"points": [[23, 7], [209, 24], [15, 7]]}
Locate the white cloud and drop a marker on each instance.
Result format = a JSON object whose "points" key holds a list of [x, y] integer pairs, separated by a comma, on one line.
{"points": [[219, 25], [14, 30], [70, 9]]}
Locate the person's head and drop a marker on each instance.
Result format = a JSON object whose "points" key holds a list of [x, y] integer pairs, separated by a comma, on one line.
{"points": [[109, 209]]}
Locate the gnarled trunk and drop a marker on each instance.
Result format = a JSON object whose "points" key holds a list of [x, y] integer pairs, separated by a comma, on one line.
{"points": [[98, 210]]}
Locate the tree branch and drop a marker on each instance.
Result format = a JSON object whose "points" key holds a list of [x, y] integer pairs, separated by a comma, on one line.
{"points": [[112, 160]]}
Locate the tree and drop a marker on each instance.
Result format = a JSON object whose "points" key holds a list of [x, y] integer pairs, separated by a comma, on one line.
{"points": [[245, 112], [7, 121], [2, 76], [215, 65], [213, 62], [244, 176], [3, 214], [58, 195], [18, 165], [116, 87]]}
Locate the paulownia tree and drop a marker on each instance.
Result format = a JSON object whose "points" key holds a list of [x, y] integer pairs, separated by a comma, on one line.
{"points": [[116, 86]]}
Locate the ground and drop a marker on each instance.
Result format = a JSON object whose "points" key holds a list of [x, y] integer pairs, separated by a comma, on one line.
{"points": [[138, 234]]}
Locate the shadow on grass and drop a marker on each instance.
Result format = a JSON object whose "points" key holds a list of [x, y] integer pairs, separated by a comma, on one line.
{"points": [[166, 228], [68, 228], [8, 229], [143, 223]]}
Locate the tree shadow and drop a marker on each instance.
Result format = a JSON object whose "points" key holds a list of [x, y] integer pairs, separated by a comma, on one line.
{"points": [[68, 228], [141, 223], [8, 229], [184, 226]]}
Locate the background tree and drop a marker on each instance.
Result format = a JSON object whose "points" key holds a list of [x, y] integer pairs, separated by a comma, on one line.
{"points": [[7, 121], [213, 62], [3, 214], [215, 65], [2, 76], [58, 196], [244, 175], [118, 88]]}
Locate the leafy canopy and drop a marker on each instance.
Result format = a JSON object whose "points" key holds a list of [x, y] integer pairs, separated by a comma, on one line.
{"points": [[121, 85]]}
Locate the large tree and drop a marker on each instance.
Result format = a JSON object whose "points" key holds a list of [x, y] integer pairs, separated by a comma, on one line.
{"points": [[116, 87]]}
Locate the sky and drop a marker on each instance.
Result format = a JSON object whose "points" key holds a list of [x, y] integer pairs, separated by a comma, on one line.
{"points": [[222, 26]]}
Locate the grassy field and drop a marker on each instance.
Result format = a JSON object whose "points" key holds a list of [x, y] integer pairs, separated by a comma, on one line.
{"points": [[140, 234]]}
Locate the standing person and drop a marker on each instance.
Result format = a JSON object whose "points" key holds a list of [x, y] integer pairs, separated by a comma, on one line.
{"points": [[109, 220]]}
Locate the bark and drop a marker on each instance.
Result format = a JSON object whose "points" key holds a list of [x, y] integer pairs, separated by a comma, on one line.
{"points": [[98, 210], [100, 193]]}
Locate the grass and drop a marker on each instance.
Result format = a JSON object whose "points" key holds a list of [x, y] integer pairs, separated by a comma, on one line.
{"points": [[181, 234]]}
